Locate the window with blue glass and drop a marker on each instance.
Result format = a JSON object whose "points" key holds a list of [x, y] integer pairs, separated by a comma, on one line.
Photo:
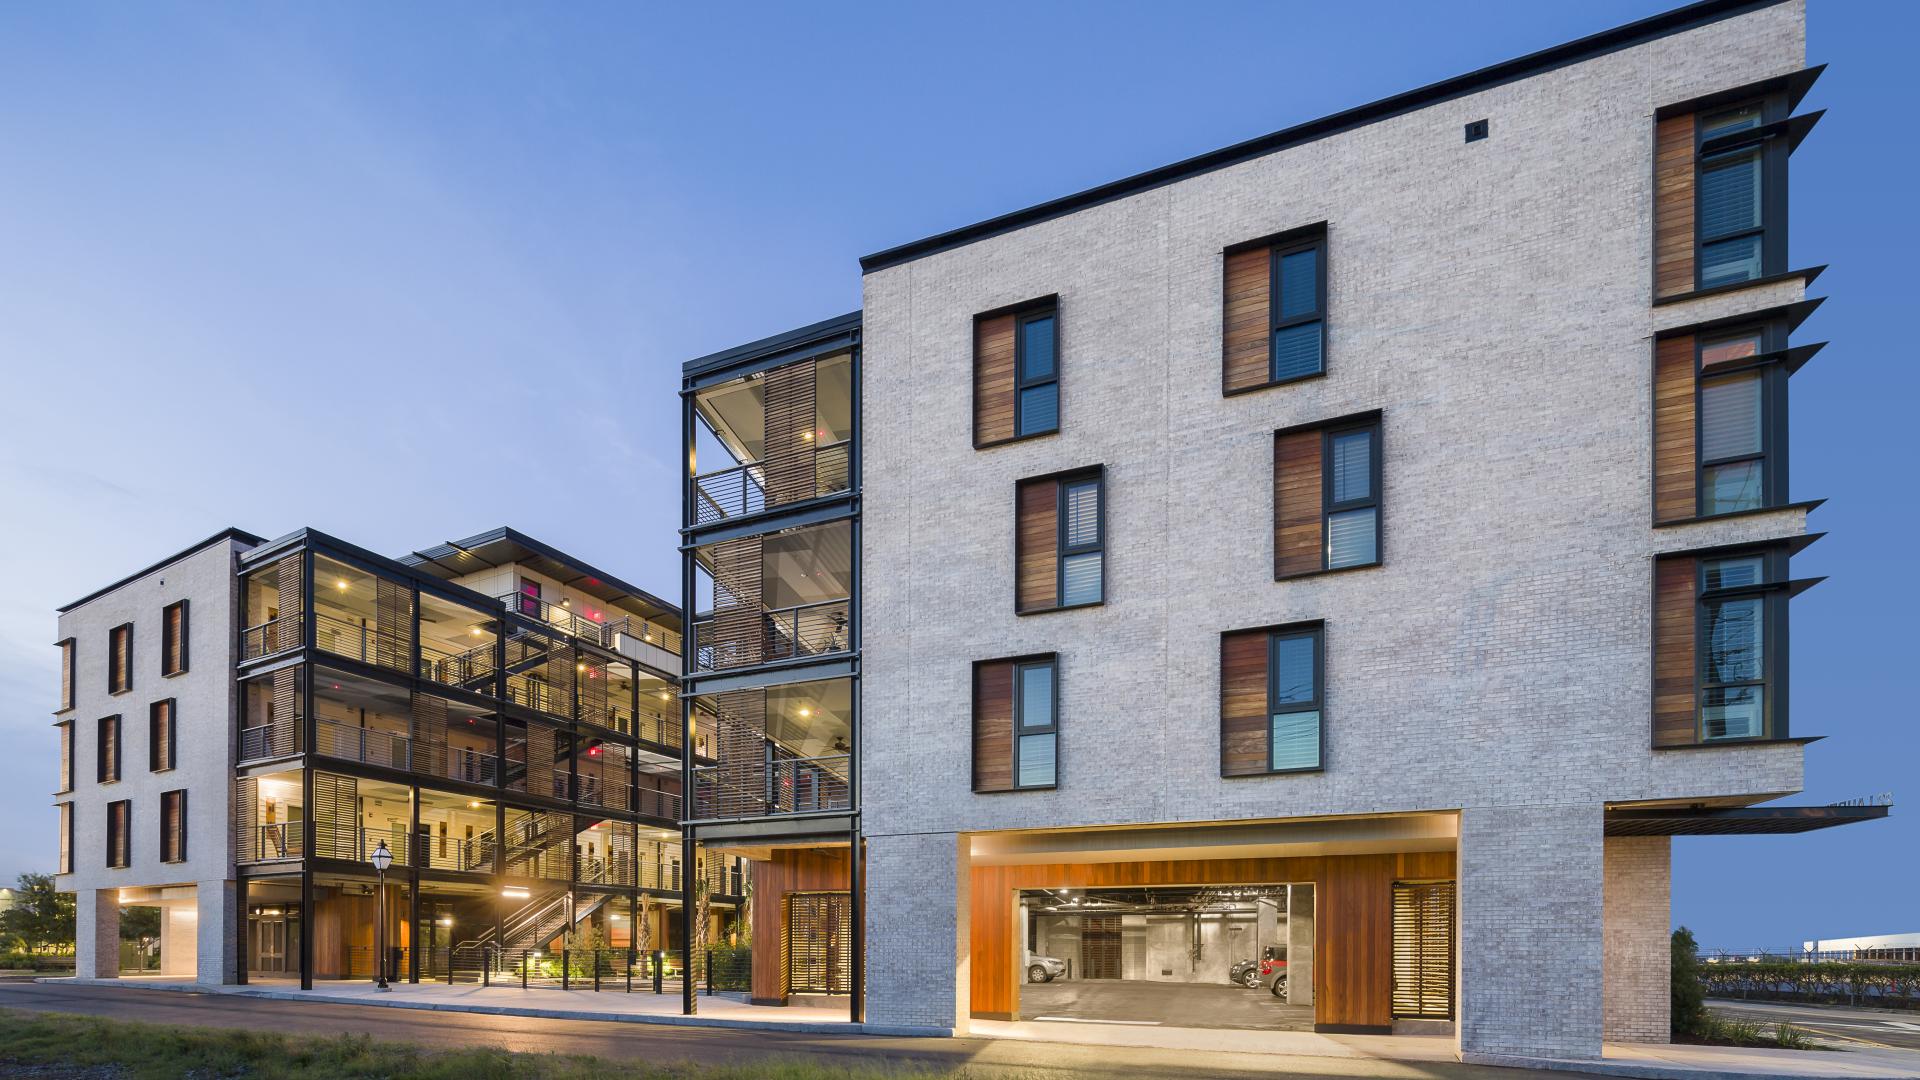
{"points": [[1742, 602], [1297, 304], [1294, 700], [1740, 196], [1739, 397], [1352, 484], [1037, 371], [1036, 727]]}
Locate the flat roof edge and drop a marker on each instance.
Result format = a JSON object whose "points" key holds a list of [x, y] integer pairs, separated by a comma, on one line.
{"points": [[1652, 28], [229, 533], [775, 343]]}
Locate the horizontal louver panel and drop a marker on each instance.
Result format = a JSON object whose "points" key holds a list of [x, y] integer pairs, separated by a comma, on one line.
{"points": [[1296, 351], [1730, 417], [1352, 538], [1352, 463], [1296, 740], [1423, 937], [1083, 514], [1730, 195], [1299, 283], [1080, 579]]}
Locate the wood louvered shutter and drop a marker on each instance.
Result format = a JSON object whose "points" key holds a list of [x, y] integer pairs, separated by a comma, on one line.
{"points": [[108, 764], [173, 826], [160, 735], [818, 943], [66, 839], [246, 819], [1675, 453], [173, 639], [1243, 703], [621, 853], [66, 674], [66, 756], [591, 671], [1246, 322], [993, 379], [1299, 510], [1673, 213], [119, 847], [287, 733], [427, 735], [1675, 671], [1100, 947], [740, 746], [1037, 543], [791, 418], [393, 625], [336, 818], [737, 631], [120, 659], [993, 726], [1423, 935], [287, 575]]}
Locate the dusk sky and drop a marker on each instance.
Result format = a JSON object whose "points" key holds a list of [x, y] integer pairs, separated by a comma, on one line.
{"points": [[407, 272]]}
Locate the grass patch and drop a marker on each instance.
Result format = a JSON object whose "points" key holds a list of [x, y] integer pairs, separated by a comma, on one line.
{"points": [[153, 1052]]}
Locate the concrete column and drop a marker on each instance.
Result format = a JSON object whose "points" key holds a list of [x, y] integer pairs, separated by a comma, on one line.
{"points": [[1300, 944], [179, 940], [96, 928], [1530, 932], [917, 934], [219, 929], [1636, 990]]}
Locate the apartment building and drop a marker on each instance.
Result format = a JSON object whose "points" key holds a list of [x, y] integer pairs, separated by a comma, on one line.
{"points": [[249, 727], [1357, 550]]}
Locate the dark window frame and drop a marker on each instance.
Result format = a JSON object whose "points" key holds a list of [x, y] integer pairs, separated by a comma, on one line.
{"points": [[119, 656], [1773, 152], [1021, 382], [173, 848], [1315, 631], [1774, 591], [1050, 661], [105, 727], [67, 773], [119, 825], [1773, 376], [172, 747], [167, 641], [1316, 243], [65, 856], [1064, 551], [1375, 500], [70, 673]]}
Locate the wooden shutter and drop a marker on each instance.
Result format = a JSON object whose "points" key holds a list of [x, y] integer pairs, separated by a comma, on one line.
{"points": [[593, 689], [818, 943], [1675, 670], [160, 735], [427, 734], [1673, 194], [393, 625], [1100, 947], [108, 769], [336, 818], [622, 857], [246, 818], [1247, 320], [1243, 703], [740, 746], [792, 412], [66, 755], [66, 838], [173, 639], [1423, 924], [173, 826], [736, 634], [1038, 546], [286, 734], [1675, 386], [993, 726], [1298, 507], [993, 380], [120, 658], [287, 576], [66, 675], [117, 847]]}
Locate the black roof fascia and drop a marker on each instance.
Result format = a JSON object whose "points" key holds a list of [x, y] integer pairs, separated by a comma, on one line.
{"points": [[841, 331], [1737, 821], [615, 591], [1665, 24], [229, 533]]}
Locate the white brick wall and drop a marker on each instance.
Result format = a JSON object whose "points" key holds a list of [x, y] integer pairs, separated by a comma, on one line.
{"points": [[1635, 929], [917, 932]]}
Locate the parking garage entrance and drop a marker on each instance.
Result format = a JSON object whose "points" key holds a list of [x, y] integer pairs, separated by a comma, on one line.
{"points": [[1207, 956]]}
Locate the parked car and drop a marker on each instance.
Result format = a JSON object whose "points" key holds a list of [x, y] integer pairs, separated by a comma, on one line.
{"points": [[1245, 973], [1274, 974], [1045, 968]]}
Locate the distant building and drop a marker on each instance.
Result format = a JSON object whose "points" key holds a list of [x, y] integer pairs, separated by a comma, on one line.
{"points": [[1874, 947]]}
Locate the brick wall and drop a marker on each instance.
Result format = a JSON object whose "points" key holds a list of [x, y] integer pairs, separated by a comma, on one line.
{"points": [[917, 940], [1638, 914]]}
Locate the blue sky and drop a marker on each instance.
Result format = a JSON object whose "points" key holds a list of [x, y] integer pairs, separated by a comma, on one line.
{"points": [[450, 256]]}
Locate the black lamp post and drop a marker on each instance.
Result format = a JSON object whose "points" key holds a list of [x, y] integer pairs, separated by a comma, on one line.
{"points": [[382, 858]]}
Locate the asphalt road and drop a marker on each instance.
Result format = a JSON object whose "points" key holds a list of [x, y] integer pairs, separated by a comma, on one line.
{"points": [[658, 1043], [1875, 1027]]}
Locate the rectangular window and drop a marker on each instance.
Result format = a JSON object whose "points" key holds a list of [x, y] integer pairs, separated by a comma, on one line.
{"points": [[1731, 211], [120, 659], [1272, 703], [119, 850], [1719, 421], [66, 675], [66, 757], [1274, 326], [161, 735], [1016, 373], [1327, 481], [173, 639], [173, 826], [1720, 645], [1733, 680], [66, 839], [1015, 723], [530, 598], [108, 756], [1061, 542]]}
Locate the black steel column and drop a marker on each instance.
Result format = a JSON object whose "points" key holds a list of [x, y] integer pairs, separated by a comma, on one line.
{"points": [[414, 856], [856, 903], [689, 1003], [240, 938]]}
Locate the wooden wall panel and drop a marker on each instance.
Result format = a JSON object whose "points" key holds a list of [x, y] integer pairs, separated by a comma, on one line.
{"points": [[1675, 386], [1675, 686], [790, 870], [1037, 546], [792, 413], [993, 726], [1243, 703], [1353, 924], [736, 633], [1673, 183], [1246, 343], [1298, 511], [993, 380]]}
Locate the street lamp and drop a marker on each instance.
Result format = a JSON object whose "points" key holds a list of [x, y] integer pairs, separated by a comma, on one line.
{"points": [[382, 858]]}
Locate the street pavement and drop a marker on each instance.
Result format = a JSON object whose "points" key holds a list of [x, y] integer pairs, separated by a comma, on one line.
{"points": [[1874, 1027], [660, 1044]]}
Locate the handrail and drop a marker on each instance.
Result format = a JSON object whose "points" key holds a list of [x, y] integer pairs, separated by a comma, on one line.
{"points": [[279, 737], [741, 489], [275, 840], [370, 746], [817, 629], [360, 641], [769, 788], [593, 631], [271, 636]]}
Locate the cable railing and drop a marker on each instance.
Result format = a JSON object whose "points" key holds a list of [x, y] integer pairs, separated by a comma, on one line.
{"points": [[768, 788], [786, 633], [272, 636], [369, 746], [470, 670], [275, 738], [366, 641], [266, 843], [742, 489], [600, 632]]}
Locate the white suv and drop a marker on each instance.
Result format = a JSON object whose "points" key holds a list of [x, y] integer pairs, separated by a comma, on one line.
{"points": [[1044, 968]]}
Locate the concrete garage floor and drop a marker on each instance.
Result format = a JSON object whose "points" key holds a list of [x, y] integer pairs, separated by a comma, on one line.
{"points": [[1158, 1004]]}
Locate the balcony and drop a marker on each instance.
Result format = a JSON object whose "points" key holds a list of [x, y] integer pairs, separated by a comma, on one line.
{"points": [[769, 788], [753, 487], [274, 636], [602, 633], [275, 739], [736, 639], [272, 842]]}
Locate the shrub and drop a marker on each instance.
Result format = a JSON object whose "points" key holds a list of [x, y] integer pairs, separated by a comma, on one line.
{"points": [[1689, 1010]]}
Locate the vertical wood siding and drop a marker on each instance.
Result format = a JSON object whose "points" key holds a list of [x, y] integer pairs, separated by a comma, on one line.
{"points": [[1298, 511], [801, 870], [1243, 703], [993, 726], [993, 380], [1245, 338], [1675, 493], [1673, 206], [1038, 542], [791, 417], [1675, 686]]}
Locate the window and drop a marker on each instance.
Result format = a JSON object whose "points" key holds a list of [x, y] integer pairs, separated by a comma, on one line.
{"points": [[1274, 325], [1272, 706], [173, 639], [1061, 542], [66, 675], [66, 757], [66, 839], [1327, 481], [119, 851], [120, 659], [530, 598], [1732, 213], [1720, 663], [1733, 676], [1720, 417], [1016, 723], [173, 826], [108, 757], [1016, 373], [161, 735]]}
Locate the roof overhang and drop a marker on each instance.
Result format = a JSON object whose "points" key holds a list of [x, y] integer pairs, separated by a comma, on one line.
{"points": [[498, 547], [1737, 821]]}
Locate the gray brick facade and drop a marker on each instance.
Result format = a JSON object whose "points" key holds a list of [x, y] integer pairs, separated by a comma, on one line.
{"points": [[1634, 939]]}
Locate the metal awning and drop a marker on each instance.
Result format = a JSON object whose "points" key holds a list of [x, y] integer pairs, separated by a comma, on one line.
{"points": [[457, 558], [1737, 821]]}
